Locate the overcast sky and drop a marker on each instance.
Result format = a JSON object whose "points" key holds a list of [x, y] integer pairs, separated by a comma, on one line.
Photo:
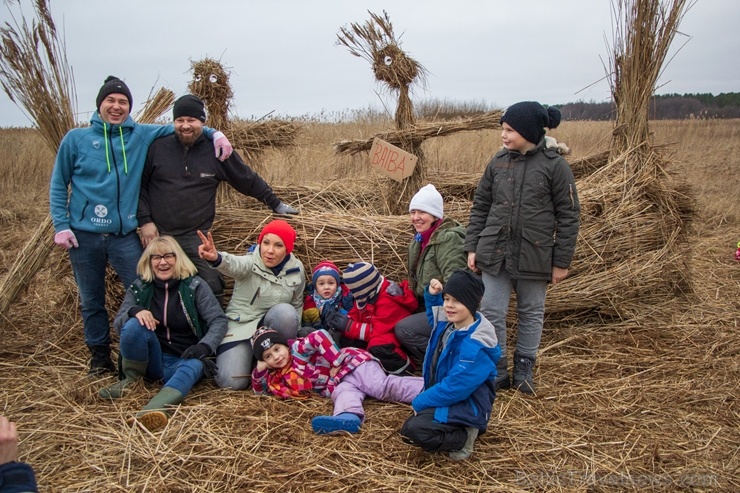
{"points": [[283, 57]]}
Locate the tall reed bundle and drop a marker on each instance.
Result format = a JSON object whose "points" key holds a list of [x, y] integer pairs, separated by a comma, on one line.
{"points": [[36, 76], [643, 35], [376, 42]]}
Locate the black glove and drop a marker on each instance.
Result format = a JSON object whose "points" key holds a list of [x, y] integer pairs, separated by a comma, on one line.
{"points": [[209, 367], [197, 351], [334, 319]]}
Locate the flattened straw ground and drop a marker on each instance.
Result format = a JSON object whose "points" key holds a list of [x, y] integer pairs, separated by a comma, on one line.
{"points": [[621, 407]]}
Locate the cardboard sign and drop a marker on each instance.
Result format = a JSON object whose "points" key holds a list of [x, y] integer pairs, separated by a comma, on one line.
{"points": [[392, 161]]}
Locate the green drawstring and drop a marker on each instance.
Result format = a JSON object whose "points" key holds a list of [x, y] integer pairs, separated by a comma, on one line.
{"points": [[123, 148], [105, 136]]}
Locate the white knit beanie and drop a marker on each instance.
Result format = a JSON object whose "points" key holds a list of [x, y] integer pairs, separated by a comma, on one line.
{"points": [[429, 200]]}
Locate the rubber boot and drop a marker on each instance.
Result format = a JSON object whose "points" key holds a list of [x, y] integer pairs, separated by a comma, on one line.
{"points": [[100, 362], [133, 371], [341, 422], [153, 415], [523, 380], [467, 449], [502, 381]]}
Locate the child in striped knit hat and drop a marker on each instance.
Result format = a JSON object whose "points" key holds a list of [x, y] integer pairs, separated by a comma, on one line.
{"points": [[379, 304]]}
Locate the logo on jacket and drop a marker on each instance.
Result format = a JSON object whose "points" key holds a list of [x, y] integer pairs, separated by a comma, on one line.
{"points": [[101, 210], [96, 144]]}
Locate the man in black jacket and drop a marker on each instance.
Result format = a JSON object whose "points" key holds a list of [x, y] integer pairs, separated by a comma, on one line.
{"points": [[179, 184]]}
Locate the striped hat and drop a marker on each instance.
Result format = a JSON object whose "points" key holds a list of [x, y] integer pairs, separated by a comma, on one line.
{"points": [[363, 281], [325, 268]]}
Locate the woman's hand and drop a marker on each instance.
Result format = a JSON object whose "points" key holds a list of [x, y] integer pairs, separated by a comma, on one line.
{"points": [[146, 319], [435, 287], [208, 249], [334, 370], [262, 366]]}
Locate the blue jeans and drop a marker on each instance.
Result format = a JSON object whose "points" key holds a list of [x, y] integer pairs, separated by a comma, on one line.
{"points": [[141, 344], [530, 309], [89, 262]]}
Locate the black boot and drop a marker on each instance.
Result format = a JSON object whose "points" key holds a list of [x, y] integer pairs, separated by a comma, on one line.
{"points": [[100, 362], [523, 380]]}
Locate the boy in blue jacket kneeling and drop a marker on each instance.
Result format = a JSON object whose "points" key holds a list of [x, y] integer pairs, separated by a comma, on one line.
{"points": [[459, 370]]}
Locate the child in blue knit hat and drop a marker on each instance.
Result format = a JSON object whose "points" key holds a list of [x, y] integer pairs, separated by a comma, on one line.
{"points": [[325, 290], [379, 304]]}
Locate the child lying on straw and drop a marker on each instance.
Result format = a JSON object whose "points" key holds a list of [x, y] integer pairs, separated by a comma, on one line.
{"points": [[315, 364]]}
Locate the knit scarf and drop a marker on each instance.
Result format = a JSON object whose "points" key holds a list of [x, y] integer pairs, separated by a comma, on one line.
{"points": [[320, 302], [287, 383]]}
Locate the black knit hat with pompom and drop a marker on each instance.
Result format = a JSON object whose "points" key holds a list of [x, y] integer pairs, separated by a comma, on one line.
{"points": [[530, 118]]}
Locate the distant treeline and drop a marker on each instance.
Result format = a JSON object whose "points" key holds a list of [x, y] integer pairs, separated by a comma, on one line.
{"points": [[662, 107]]}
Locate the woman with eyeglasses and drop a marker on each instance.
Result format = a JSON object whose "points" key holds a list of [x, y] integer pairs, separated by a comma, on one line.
{"points": [[170, 323]]}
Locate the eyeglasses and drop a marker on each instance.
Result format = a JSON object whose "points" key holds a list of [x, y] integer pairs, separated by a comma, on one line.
{"points": [[166, 256]]}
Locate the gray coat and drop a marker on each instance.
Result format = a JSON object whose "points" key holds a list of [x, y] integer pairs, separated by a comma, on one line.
{"points": [[525, 214]]}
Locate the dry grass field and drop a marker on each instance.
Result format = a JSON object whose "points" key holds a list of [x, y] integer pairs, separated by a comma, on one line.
{"points": [[644, 403]]}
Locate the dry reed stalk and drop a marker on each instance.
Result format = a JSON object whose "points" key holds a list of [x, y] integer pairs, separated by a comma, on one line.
{"points": [[420, 132], [155, 106], [256, 137], [36, 76]]}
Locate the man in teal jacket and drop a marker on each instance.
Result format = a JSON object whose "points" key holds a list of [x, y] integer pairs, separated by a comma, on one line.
{"points": [[93, 196]]}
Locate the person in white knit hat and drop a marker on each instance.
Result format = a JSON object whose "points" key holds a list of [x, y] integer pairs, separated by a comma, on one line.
{"points": [[435, 252]]}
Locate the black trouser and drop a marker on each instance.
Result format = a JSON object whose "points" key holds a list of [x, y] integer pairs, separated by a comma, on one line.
{"points": [[422, 431]]}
